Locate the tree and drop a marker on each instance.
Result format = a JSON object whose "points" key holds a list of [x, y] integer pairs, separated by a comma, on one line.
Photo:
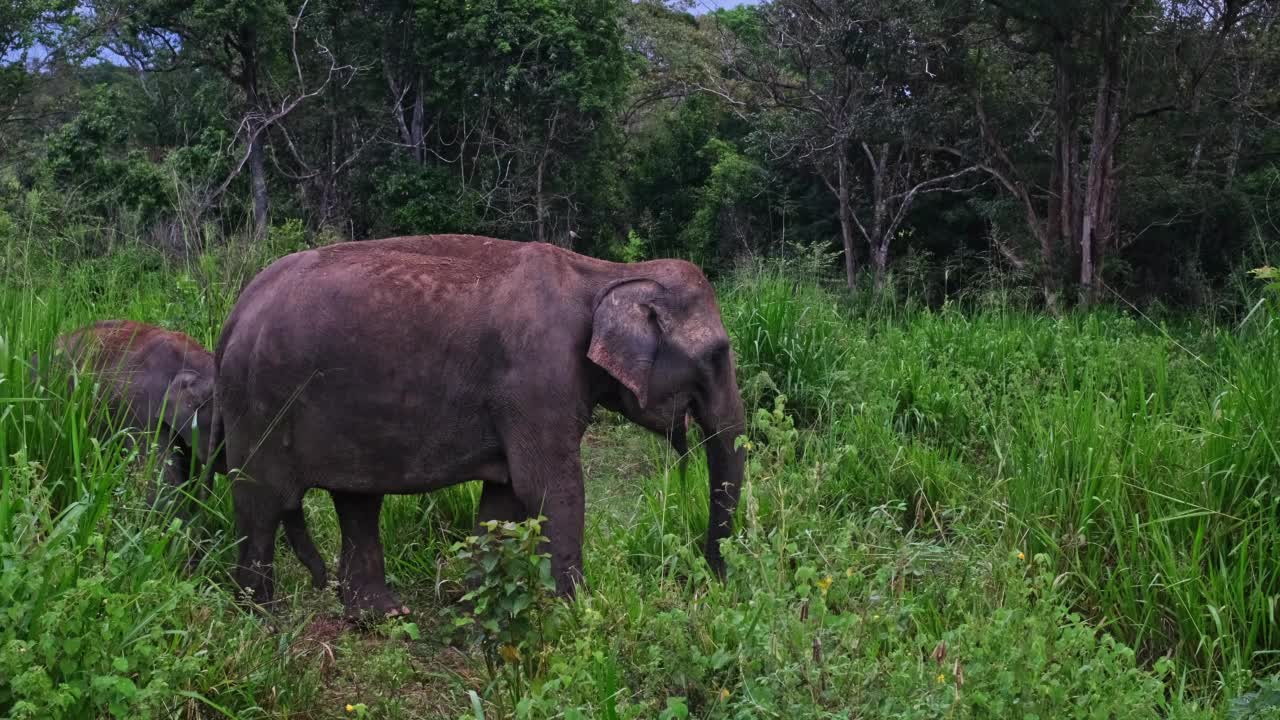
{"points": [[673, 56], [241, 40], [1092, 49], [845, 86], [28, 31], [533, 86]]}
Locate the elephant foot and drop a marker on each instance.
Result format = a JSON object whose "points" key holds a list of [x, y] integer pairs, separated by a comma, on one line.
{"points": [[319, 579], [373, 604], [256, 588]]}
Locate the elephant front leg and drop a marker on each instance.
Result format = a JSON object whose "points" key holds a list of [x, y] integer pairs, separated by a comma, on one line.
{"points": [[362, 577], [557, 492]]}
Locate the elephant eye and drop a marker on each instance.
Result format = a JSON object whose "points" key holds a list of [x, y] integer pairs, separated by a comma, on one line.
{"points": [[718, 358]]}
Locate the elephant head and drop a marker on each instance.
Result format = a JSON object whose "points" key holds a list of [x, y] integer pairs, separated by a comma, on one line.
{"points": [[661, 338], [188, 410]]}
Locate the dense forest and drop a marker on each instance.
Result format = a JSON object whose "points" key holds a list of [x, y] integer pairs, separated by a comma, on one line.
{"points": [[996, 276], [1094, 149]]}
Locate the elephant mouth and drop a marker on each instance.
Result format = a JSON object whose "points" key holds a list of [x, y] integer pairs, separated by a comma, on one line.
{"points": [[684, 414], [678, 427]]}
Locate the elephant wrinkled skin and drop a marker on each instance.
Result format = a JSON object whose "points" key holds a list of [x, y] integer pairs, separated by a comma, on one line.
{"points": [[409, 364]]}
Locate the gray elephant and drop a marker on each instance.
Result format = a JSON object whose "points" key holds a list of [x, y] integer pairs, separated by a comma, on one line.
{"points": [[409, 364], [160, 380]]}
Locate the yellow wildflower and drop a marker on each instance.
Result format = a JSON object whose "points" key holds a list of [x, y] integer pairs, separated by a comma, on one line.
{"points": [[824, 584], [724, 694], [1022, 556], [510, 653], [351, 708], [941, 678]]}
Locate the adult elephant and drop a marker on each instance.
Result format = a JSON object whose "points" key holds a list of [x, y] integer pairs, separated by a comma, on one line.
{"points": [[409, 364], [162, 381]]}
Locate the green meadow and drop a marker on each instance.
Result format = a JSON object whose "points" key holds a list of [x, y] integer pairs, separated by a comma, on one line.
{"points": [[965, 511]]}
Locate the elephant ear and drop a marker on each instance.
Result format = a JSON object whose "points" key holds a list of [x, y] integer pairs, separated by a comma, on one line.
{"points": [[626, 331], [186, 394]]}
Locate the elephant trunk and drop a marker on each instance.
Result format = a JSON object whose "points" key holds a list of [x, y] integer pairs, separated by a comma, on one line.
{"points": [[721, 424], [212, 454]]}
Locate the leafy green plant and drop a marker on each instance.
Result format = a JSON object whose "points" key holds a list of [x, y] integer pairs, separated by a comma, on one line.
{"points": [[508, 608], [287, 237], [1261, 704], [732, 182], [636, 248]]}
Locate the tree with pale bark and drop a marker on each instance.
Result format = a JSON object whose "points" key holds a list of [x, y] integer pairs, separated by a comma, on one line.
{"points": [[844, 88], [254, 45], [1106, 68]]}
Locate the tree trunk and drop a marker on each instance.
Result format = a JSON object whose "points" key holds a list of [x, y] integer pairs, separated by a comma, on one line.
{"points": [[1245, 91], [1064, 226], [416, 130], [879, 237], [846, 213], [1061, 224], [1095, 226], [329, 178], [880, 256], [1237, 128], [257, 137], [1198, 151], [258, 179], [1050, 277], [540, 203]]}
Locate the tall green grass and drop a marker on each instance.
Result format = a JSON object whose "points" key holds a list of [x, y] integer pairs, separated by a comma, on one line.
{"points": [[1144, 471], [99, 616], [1089, 495]]}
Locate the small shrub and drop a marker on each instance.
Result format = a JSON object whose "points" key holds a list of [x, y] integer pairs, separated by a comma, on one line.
{"points": [[287, 237], [509, 606], [1261, 704], [636, 248]]}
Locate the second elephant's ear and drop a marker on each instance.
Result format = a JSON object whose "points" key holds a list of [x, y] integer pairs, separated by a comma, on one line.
{"points": [[626, 331]]}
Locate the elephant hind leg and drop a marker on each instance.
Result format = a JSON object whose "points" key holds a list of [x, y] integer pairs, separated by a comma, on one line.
{"points": [[295, 532], [362, 576], [259, 512]]}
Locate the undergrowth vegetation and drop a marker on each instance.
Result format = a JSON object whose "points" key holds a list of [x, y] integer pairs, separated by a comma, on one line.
{"points": [[969, 511]]}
